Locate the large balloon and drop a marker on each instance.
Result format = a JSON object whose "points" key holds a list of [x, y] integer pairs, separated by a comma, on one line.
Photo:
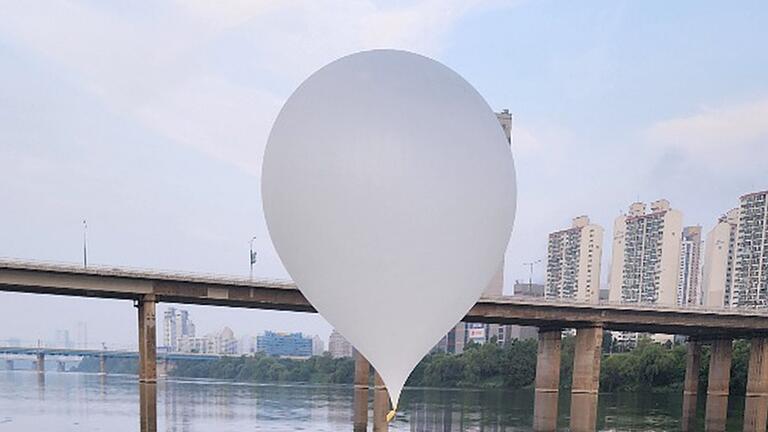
{"points": [[389, 193]]}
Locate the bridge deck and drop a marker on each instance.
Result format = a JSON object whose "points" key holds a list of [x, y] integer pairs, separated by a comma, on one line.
{"points": [[119, 283]]}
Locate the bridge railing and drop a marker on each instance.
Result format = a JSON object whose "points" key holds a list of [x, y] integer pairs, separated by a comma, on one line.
{"points": [[629, 305], [143, 273]]}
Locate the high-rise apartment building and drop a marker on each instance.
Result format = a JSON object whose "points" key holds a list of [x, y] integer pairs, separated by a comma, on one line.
{"points": [[736, 263], [464, 333], [719, 262], [496, 286], [176, 327], [646, 254], [573, 262], [505, 120], [688, 284], [750, 279], [338, 346]]}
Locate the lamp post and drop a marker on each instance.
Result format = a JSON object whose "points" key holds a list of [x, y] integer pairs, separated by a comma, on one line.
{"points": [[530, 276], [252, 258], [85, 243]]}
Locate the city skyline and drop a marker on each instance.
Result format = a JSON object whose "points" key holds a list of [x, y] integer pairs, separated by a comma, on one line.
{"points": [[176, 332], [697, 284], [607, 109]]}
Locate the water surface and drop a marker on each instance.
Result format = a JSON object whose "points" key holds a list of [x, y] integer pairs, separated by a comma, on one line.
{"points": [[67, 401]]}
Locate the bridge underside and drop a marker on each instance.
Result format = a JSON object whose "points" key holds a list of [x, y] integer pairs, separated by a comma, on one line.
{"points": [[262, 294]]}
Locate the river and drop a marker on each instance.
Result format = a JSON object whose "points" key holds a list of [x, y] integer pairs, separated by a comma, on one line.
{"points": [[68, 401]]}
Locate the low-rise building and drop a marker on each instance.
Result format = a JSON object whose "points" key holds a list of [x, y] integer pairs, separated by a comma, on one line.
{"points": [[292, 345]]}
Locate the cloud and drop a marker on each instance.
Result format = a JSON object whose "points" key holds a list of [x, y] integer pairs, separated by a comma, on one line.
{"points": [[219, 118], [734, 136], [212, 75]]}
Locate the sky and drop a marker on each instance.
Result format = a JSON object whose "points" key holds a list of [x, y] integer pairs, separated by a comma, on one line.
{"points": [[151, 121]]}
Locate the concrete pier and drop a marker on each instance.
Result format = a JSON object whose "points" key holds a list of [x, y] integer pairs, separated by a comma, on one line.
{"points": [[362, 377], [717, 390], [380, 405], [147, 365], [547, 381], [586, 379], [691, 385], [148, 407], [756, 401], [40, 363]]}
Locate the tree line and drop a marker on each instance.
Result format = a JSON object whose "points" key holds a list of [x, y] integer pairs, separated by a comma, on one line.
{"points": [[649, 366]]}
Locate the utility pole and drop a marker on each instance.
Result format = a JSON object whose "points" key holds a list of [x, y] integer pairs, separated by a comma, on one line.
{"points": [[85, 243], [530, 275], [252, 258]]}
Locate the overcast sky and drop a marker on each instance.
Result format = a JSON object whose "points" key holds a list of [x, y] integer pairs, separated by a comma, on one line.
{"points": [[151, 124]]}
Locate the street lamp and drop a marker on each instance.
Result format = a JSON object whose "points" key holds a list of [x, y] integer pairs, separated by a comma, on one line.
{"points": [[252, 258], [530, 276], [85, 243]]}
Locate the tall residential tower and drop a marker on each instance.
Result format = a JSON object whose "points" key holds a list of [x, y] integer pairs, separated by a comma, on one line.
{"points": [[688, 284], [719, 261], [573, 262], [646, 254], [750, 281], [736, 262], [176, 328], [464, 333]]}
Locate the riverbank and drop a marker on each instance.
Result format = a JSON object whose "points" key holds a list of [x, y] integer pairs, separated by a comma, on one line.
{"points": [[649, 367]]}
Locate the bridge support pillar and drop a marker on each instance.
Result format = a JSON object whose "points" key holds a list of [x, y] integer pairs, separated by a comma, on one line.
{"points": [[691, 386], [9, 364], [586, 379], [40, 363], [362, 376], [380, 405], [719, 380], [147, 365], [547, 381], [756, 402], [102, 365]]}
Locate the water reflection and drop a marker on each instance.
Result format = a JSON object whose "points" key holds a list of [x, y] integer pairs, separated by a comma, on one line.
{"points": [[85, 402], [447, 410], [40, 386]]}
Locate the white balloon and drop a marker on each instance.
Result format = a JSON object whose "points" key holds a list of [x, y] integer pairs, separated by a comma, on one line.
{"points": [[389, 192]]}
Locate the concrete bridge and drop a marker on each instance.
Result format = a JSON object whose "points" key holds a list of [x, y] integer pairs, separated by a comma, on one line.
{"points": [[40, 353], [717, 327]]}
